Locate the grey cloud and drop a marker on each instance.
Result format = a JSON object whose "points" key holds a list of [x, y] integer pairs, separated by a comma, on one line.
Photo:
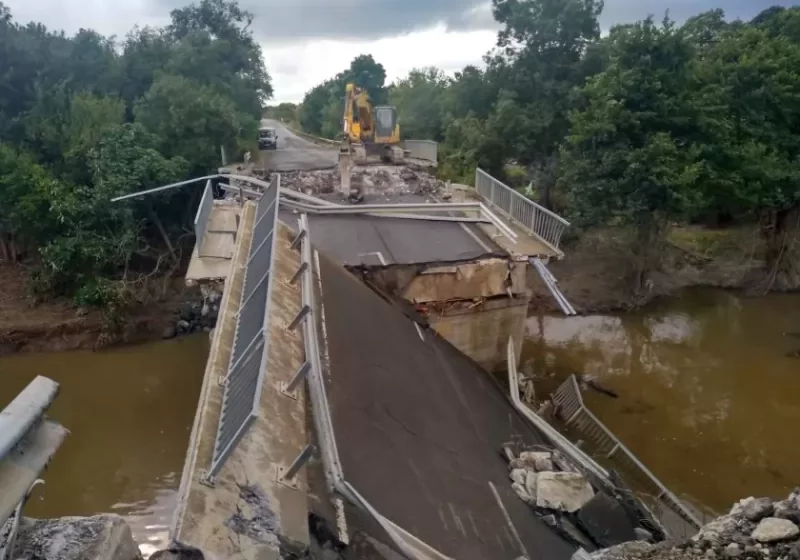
{"points": [[289, 21], [300, 20]]}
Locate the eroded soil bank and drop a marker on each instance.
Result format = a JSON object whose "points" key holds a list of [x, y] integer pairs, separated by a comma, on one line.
{"points": [[60, 325], [594, 274]]}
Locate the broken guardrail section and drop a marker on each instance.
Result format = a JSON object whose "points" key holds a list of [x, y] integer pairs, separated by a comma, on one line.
{"points": [[27, 443]]}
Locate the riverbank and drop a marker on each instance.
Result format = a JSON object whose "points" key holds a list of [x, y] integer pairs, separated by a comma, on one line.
{"points": [[59, 325], [593, 274]]}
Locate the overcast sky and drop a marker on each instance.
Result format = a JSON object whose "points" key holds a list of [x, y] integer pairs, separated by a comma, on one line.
{"points": [[306, 41]]}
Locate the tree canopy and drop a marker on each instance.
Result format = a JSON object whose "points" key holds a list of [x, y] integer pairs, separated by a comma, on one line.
{"points": [[650, 125], [85, 118]]}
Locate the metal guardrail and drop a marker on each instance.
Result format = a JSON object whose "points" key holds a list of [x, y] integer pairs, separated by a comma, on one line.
{"points": [[535, 219], [203, 213], [673, 513], [427, 150], [245, 377], [27, 443]]}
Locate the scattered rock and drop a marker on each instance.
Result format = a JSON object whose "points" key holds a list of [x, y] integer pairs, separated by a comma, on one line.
{"points": [[732, 551], [183, 326], [774, 529], [102, 537], [169, 332], [550, 520], [562, 491], [756, 509], [205, 310]]}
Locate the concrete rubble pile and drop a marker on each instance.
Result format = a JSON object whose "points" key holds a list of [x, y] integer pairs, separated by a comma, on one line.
{"points": [[102, 537], [755, 529], [564, 499], [381, 180]]}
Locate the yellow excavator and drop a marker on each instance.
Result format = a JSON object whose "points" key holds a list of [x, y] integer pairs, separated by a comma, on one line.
{"points": [[369, 130]]}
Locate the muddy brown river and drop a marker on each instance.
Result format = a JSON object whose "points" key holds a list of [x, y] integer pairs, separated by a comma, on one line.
{"points": [[708, 397], [129, 411]]}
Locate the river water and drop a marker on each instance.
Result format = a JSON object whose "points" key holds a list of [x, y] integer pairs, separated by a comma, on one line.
{"points": [[708, 398], [129, 411]]}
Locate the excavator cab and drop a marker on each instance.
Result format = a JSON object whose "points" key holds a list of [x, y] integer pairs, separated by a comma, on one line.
{"points": [[385, 124]]}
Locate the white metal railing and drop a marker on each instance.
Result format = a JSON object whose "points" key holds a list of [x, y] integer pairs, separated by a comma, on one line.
{"points": [[427, 150], [535, 219], [673, 513], [201, 218], [248, 362]]}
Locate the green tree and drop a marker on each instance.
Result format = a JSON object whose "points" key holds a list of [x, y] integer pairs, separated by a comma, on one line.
{"points": [[749, 107], [629, 159], [193, 121], [419, 99], [543, 47]]}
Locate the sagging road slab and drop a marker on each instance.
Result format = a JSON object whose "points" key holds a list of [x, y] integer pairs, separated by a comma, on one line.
{"points": [[294, 153], [419, 427]]}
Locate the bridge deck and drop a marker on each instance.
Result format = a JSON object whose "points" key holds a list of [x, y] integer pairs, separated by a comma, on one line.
{"points": [[212, 259], [419, 428], [243, 514]]}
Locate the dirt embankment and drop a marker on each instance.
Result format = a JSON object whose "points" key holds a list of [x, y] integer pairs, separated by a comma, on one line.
{"points": [[59, 325], [595, 271]]}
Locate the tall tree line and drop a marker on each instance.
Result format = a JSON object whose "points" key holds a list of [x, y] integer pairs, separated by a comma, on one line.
{"points": [[649, 125], [85, 118]]}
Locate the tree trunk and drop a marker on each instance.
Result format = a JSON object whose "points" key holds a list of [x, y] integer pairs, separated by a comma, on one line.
{"points": [[647, 251], [781, 231]]}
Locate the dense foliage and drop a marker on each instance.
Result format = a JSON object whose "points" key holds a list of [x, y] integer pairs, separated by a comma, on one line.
{"points": [[86, 118], [649, 125]]}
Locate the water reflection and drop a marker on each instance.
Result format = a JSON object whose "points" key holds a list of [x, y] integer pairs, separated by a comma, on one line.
{"points": [[129, 412], [708, 397]]}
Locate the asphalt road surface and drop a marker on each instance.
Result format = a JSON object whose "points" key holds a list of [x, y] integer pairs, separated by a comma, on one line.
{"points": [[295, 153]]}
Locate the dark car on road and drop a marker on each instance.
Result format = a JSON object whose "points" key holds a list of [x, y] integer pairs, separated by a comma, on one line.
{"points": [[267, 139]]}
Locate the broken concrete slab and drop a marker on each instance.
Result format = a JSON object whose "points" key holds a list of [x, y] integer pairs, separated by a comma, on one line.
{"points": [[562, 491], [102, 537], [605, 521]]}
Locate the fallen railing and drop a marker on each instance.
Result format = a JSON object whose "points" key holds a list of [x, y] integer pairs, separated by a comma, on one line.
{"points": [[674, 514], [533, 218], [552, 285]]}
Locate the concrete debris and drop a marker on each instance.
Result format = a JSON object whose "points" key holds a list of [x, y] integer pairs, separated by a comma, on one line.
{"points": [[102, 537], [537, 460], [756, 509], [531, 485], [518, 475], [562, 491], [381, 181], [741, 534], [606, 521], [774, 529]]}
